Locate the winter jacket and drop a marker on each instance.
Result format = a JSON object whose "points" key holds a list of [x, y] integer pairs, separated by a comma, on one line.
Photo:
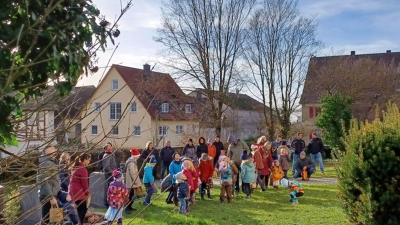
{"points": [[166, 154], [279, 150], [267, 161], [116, 194], [189, 177], [64, 177], [48, 174], [202, 148], [206, 170], [247, 173], [109, 164], [145, 154], [190, 152], [79, 186], [316, 146], [258, 161], [174, 168], [212, 151], [306, 162], [132, 178], [298, 145], [148, 174], [225, 175], [235, 151], [296, 186], [277, 173], [284, 161], [274, 154], [183, 189]]}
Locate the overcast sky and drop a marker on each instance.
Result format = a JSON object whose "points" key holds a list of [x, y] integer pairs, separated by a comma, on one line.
{"points": [[364, 26]]}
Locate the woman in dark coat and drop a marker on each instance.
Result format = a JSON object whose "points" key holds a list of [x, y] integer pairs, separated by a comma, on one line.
{"points": [[202, 147]]}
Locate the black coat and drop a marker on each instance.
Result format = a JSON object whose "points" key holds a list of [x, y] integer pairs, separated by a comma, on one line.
{"points": [[306, 162], [316, 146], [298, 145], [201, 149], [166, 154]]}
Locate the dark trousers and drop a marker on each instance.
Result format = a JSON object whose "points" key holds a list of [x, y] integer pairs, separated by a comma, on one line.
{"points": [[285, 174], [149, 191], [108, 181], [81, 209], [165, 166], [237, 186], [247, 189], [266, 180], [46, 206], [173, 195], [131, 192]]}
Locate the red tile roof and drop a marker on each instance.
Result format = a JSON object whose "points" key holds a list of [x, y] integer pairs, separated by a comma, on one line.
{"points": [[154, 88]]}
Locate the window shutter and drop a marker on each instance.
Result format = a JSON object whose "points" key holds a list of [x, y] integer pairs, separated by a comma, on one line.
{"points": [[311, 112], [311, 131]]}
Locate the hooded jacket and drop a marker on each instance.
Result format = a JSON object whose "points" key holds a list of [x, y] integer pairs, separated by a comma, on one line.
{"points": [[235, 151], [248, 172], [132, 174], [174, 168], [148, 174], [201, 148], [48, 170], [206, 169], [190, 152]]}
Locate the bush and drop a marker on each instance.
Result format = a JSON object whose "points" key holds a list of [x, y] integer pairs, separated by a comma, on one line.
{"points": [[370, 173]]}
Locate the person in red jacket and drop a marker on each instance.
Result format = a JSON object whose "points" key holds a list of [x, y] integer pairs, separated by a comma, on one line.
{"points": [[187, 171], [206, 171], [267, 161], [79, 186]]}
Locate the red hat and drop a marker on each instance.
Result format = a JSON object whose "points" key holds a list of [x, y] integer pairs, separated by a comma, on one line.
{"points": [[135, 152]]}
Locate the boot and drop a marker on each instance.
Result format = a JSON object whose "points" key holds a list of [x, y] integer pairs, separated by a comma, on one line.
{"points": [[169, 198], [202, 195], [209, 194], [119, 221]]}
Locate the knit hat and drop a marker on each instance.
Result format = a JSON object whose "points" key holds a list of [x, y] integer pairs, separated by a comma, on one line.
{"points": [[204, 156], [117, 174], [209, 139], [254, 146], [284, 182], [231, 138], [135, 152], [274, 145], [153, 159], [180, 177], [244, 155], [303, 153]]}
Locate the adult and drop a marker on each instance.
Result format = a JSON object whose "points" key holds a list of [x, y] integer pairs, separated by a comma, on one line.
{"points": [[49, 181], [212, 151], [267, 161], [101, 156], [201, 148], [235, 150], [316, 148], [304, 163], [146, 155], [189, 151], [174, 168], [219, 146], [64, 167], [109, 165], [166, 158], [79, 186], [132, 178], [279, 140], [298, 145], [274, 150]]}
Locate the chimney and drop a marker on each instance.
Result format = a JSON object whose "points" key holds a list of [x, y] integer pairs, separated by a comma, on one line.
{"points": [[146, 71], [353, 53], [388, 51]]}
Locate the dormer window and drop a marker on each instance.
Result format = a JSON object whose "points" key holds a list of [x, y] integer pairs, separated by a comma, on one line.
{"points": [[188, 108], [165, 108], [114, 84]]}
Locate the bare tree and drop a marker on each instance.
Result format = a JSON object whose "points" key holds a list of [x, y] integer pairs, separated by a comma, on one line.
{"points": [[278, 46], [202, 40]]}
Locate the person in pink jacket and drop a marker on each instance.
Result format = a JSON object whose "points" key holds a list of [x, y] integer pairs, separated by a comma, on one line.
{"points": [[79, 186]]}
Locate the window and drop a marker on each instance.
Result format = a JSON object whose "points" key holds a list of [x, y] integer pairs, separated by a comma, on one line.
{"points": [[114, 84], [115, 110], [94, 130], [165, 108], [317, 111], [179, 130], [97, 106], [136, 131], [114, 130], [188, 108], [311, 112], [133, 107], [162, 131]]}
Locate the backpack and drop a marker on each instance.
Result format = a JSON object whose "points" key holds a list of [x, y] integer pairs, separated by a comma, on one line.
{"points": [[100, 161]]}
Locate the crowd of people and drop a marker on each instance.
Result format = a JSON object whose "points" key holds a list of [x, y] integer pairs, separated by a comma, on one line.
{"points": [[264, 164]]}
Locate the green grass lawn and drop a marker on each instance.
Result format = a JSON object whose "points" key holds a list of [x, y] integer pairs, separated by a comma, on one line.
{"points": [[319, 205]]}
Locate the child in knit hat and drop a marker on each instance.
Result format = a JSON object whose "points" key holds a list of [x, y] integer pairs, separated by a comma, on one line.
{"points": [[148, 180], [206, 171], [183, 192], [296, 189], [116, 195], [247, 173]]}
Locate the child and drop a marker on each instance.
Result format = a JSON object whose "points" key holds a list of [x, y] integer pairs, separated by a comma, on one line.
{"points": [[148, 180], [188, 174], [258, 164], [247, 175], [225, 172], [235, 171], [284, 159], [296, 190], [220, 158], [277, 174], [116, 195], [183, 192], [206, 169]]}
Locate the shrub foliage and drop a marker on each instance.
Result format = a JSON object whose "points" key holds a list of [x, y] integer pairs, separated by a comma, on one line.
{"points": [[370, 172]]}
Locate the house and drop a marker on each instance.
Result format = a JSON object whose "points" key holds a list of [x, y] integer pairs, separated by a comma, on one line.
{"points": [[369, 79], [242, 116], [133, 106], [49, 119]]}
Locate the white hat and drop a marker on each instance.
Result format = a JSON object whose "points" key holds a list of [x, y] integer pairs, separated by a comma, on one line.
{"points": [[284, 182]]}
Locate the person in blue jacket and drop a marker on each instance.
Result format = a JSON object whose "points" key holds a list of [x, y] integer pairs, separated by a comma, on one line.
{"points": [[148, 180], [174, 168]]}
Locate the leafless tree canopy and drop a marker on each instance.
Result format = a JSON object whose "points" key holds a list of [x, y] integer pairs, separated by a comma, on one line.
{"points": [[278, 46], [202, 40]]}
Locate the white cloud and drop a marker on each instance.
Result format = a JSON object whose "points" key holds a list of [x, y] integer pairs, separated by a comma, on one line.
{"points": [[379, 46]]}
